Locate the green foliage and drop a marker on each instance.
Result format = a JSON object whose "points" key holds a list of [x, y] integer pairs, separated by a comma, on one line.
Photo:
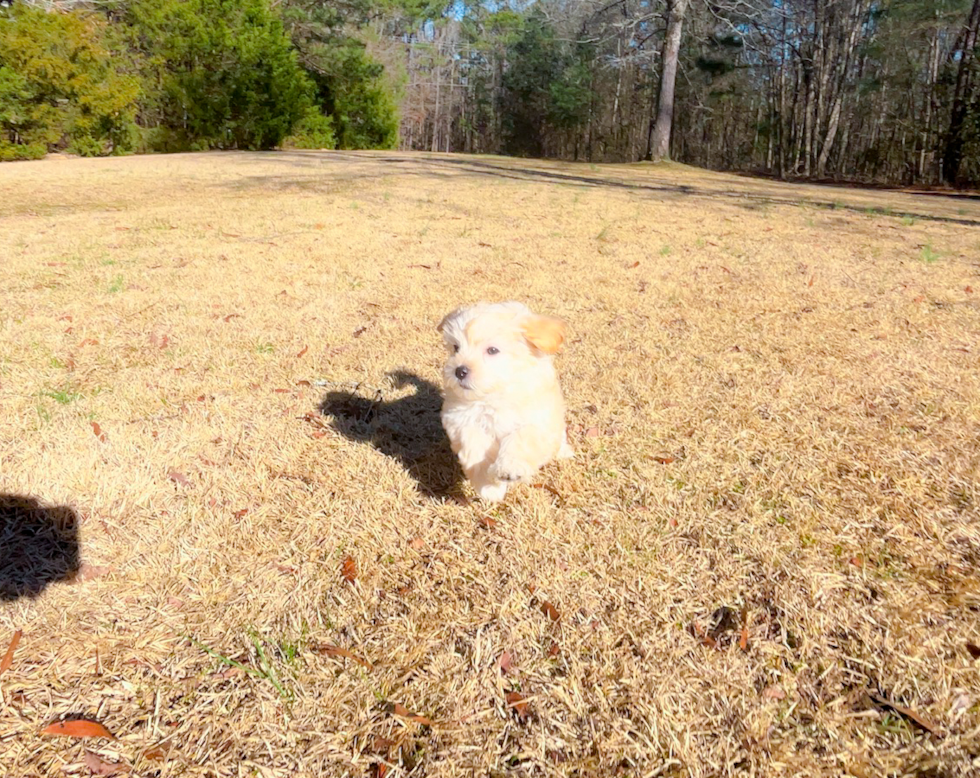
{"points": [[547, 86], [314, 131], [61, 87], [218, 73], [349, 84]]}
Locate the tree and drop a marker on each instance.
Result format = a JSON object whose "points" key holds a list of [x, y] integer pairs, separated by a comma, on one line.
{"points": [[660, 136], [219, 74], [963, 97], [60, 86]]}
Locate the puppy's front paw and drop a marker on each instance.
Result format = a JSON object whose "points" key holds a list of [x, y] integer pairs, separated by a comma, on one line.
{"points": [[492, 492], [510, 470]]}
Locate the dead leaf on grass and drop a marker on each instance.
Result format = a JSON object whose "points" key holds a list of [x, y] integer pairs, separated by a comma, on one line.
{"points": [[98, 766], [155, 754], [330, 650], [518, 703], [592, 432], [917, 718], [348, 569], [773, 693], [8, 658], [417, 543], [664, 459], [506, 662], [485, 522], [302, 351], [743, 638], [77, 728], [397, 709], [550, 611], [179, 478], [87, 572]]}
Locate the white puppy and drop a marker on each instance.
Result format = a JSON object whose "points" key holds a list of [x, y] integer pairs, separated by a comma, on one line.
{"points": [[503, 409]]}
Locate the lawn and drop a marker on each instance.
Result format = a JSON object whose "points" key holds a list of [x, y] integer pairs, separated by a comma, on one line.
{"points": [[232, 533]]}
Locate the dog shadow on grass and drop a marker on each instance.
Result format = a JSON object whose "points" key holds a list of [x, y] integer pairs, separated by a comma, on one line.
{"points": [[407, 429], [38, 546]]}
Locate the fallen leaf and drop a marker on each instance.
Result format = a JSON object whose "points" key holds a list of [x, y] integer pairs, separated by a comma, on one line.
{"points": [[743, 639], [240, 514], [8, 658], [506, 662], [155, 754], [702, 635], [397, 709], [592, 432], [550, 611], [98, 766], [926, 723], [553, 649], [810, 283], [972, 648], [518, 703], [485, 522], [78, 728], [857, 561], [179, 478], [380, 770], [968, 289], [318, 434], [774, 693], [918, 299], [417, 543], [664, 460], [349, 569], [485, 245], [303, 351], [330, 650], [635, 264], [97, 430]]}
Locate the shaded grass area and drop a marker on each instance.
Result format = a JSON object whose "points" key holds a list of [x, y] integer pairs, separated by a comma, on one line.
{"points": [[763, 559]]}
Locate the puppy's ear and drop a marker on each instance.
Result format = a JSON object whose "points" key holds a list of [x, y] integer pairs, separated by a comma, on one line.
{"points": [[445, 320], [544, 333]]}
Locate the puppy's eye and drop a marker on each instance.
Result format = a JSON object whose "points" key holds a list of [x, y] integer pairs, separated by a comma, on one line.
{"points": [[493, 350], [455, 348]]}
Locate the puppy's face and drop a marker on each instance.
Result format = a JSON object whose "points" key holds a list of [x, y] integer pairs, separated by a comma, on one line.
{"points": [[493, 348]]}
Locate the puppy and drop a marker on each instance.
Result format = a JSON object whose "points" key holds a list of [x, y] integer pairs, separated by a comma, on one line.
{"points": [[503, 409]]}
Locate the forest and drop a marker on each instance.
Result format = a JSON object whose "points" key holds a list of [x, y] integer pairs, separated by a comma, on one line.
{"points": [[873, 91]]}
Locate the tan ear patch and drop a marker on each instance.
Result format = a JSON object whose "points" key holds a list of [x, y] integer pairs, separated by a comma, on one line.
{"points": [[544, 333]]}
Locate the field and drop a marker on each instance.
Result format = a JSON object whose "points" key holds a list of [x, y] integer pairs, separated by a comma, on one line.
{"points": [[232, 533]]}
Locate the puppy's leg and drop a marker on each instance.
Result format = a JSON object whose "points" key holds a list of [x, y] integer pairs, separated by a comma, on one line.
{"points": [[476, 449], [522, 454]]}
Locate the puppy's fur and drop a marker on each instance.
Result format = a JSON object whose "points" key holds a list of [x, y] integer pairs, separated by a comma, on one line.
{"points": [[503, 409]]}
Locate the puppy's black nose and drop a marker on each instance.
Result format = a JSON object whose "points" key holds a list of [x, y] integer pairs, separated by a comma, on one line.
{"points": [[462, 371]]}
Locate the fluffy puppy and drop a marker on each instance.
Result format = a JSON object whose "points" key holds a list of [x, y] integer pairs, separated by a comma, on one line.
{"points": [[503, 409]]}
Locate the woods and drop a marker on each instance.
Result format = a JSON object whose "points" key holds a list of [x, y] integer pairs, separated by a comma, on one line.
{"points": [[866, 90], [871, 90]]}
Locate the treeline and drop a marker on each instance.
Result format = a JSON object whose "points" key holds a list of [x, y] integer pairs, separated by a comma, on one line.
{"points": [[874, 90], [182, 75]]}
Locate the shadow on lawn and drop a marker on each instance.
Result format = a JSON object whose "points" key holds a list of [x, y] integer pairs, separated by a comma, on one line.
{"points": [[445, 166], [407, 429], [38, 546]]}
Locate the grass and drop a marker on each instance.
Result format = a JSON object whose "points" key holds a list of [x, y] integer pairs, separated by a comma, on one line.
{"points": [[782, 420]]}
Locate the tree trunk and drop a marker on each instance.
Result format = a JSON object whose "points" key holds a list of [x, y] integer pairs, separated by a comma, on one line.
{"points": [[660, 143], [953, 155]]}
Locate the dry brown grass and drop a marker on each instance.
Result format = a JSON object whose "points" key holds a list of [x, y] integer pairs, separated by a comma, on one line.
{"points": [[773, 392]]}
